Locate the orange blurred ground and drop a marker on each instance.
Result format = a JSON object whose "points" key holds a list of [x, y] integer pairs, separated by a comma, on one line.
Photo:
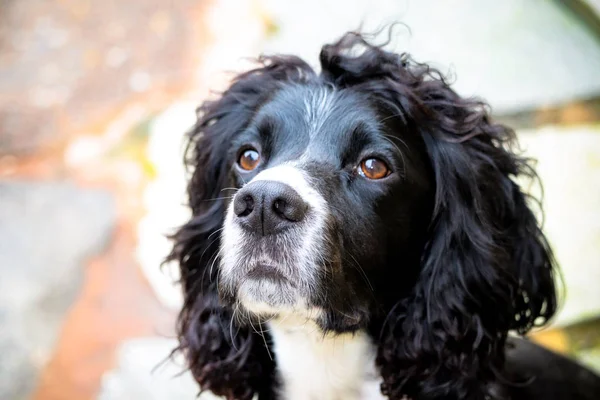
{"points": [[115, 302]]}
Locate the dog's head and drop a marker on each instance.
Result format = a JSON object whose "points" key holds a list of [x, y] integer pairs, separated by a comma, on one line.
{"points": [[369, 196], [332, 206]]}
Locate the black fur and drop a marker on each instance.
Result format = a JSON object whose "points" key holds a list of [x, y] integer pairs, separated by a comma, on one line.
{"points": [[452, 256]]}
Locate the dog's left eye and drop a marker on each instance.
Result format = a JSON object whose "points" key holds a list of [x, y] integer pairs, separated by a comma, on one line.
{"points": [[373, 168], [249, 159]]}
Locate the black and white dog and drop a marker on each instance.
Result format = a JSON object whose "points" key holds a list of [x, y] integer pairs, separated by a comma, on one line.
{"points": [[358, 234]]}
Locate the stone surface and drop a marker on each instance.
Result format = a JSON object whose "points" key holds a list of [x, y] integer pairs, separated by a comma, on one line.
{"points": [[516, 54], [47, 232], [144, 371], [67, 67]]}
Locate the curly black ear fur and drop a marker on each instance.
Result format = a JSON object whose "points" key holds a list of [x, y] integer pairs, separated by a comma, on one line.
{"points": [[228, 359], [487, 268]]}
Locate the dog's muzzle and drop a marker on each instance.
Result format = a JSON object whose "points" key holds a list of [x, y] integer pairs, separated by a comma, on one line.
{"points": [[272, 243]]}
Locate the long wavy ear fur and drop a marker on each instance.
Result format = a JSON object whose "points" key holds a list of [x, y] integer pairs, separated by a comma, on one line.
{"points": [[487, 267], [228, 359]]}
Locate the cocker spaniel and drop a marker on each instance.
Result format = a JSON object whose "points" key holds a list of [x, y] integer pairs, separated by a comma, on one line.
{"points": [[358, 234]]}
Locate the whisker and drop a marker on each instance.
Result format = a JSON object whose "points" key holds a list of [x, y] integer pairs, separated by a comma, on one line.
{"points": [[235, 309], [400, 115], [212, 265], [362, 271], [216, 231], [403, 173], [265, 341], [207, 248], [219, 198], [402, 142]]}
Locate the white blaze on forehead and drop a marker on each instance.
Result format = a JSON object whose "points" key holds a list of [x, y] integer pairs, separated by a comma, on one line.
{"points": [[318, 106], [299, 181]]}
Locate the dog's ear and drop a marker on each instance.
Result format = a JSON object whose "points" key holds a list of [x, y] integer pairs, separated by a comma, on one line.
{"points": [[225, 358], [487, 267]]}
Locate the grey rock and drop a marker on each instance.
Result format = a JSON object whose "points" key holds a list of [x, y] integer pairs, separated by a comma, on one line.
{"points": [[47, 232]]}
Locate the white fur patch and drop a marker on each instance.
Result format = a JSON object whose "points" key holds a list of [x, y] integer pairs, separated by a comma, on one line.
{"points": [[315, 366], [318, 107], [297, 179]]}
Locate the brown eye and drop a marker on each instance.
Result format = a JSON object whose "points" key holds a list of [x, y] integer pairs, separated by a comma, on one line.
{"points": [[249, 159], [373, 168]]}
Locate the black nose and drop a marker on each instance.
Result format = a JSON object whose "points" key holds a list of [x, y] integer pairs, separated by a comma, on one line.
{"points": [[268, 207]]}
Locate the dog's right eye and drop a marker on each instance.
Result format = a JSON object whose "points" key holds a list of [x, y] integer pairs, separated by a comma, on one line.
{"points": [[249, 159], [374, 168]]}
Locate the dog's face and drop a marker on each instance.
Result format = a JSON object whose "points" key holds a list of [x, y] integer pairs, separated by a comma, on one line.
{"points": [[331, 197]]}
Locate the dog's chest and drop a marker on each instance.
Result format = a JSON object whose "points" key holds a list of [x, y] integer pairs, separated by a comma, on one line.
{"points": [[312, 366]]}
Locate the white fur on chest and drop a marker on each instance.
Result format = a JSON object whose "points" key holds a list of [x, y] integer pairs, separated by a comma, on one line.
{"points": [[314, 366]]}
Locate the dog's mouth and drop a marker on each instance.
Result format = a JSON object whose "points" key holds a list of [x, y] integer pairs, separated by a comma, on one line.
{"points": [[268, 272], [266, 287]]}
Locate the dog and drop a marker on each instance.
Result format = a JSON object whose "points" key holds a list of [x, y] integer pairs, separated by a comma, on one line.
{"points": [[359, 234]]}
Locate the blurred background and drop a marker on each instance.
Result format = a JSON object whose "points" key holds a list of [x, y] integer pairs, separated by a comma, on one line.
{"points": [[95, 96]]}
